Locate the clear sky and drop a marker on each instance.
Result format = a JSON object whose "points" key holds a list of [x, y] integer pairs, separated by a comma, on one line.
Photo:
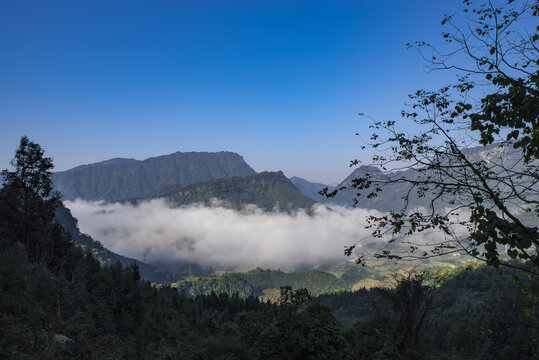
{"points": [[279, 82]]}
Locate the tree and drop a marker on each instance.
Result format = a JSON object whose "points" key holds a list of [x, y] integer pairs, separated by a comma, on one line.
{"points": [[32, 170], [27, 206], [411, 301], [483, 199]]}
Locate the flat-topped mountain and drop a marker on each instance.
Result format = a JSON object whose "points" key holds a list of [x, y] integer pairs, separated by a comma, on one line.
{"points": [[267, 190], [121, 179]]}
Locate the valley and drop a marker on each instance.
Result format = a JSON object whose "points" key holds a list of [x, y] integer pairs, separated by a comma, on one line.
{"points": [[269, 180], [269, 192]]}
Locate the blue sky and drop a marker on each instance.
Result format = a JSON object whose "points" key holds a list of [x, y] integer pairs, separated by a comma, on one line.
{"points": [[280, 82]]}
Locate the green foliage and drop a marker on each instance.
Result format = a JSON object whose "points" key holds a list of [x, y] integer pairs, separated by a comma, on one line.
{"points": [[319, 335], [32, 170], [473, 314], [58, 302], [492, 191], [292, 298], [254, 282], [27, 207], [63, 304]]}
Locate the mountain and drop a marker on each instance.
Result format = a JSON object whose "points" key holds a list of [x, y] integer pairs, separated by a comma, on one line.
{"points": [[267, 190], [105, 256], [122, 179], [391, 196], [311, 189]]}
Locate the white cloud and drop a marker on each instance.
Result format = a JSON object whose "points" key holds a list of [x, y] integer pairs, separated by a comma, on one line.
{"points": [[217, 236], [224, 238]]}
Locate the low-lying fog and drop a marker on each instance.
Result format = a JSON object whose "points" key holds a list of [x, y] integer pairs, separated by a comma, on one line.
{"points": [[220, 237]]}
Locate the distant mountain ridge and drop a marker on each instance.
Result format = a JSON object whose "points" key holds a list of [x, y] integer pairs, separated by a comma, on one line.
{"points": [[121, 179], [391, 196], [267, 190], [113, 161], [185, 178], [311, 189], [383, 202]]}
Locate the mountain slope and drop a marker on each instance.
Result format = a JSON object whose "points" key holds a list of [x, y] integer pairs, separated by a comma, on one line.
{"points": [[120, 179], [267, 190], [311, 189], [391, 196], [105, 256]]}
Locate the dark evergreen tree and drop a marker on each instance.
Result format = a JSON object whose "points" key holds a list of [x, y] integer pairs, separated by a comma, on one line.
{"points": [[27, 206]]}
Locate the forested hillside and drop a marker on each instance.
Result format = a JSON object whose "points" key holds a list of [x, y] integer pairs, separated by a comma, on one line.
{"points": [[59, 302], [266, 190], [469, 312], [106, 257], [262, 283]]}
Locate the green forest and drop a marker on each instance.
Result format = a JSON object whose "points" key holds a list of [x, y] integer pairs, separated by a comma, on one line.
{"points": [[257, 282], [58, 302], [442, 265]]}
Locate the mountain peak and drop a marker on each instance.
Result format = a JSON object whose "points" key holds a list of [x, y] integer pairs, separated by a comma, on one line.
{"points": [[360, 172], [311, 189]]}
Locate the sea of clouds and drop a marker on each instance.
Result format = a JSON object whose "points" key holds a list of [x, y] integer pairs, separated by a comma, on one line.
{"points": [[220, 237]]}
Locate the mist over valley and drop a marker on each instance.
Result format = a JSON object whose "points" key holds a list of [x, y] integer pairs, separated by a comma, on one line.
{"points": [[269, 180]]}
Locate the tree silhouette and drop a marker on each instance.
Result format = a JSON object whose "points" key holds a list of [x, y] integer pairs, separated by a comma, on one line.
{"points": [[27, 206], [480, 201]]}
